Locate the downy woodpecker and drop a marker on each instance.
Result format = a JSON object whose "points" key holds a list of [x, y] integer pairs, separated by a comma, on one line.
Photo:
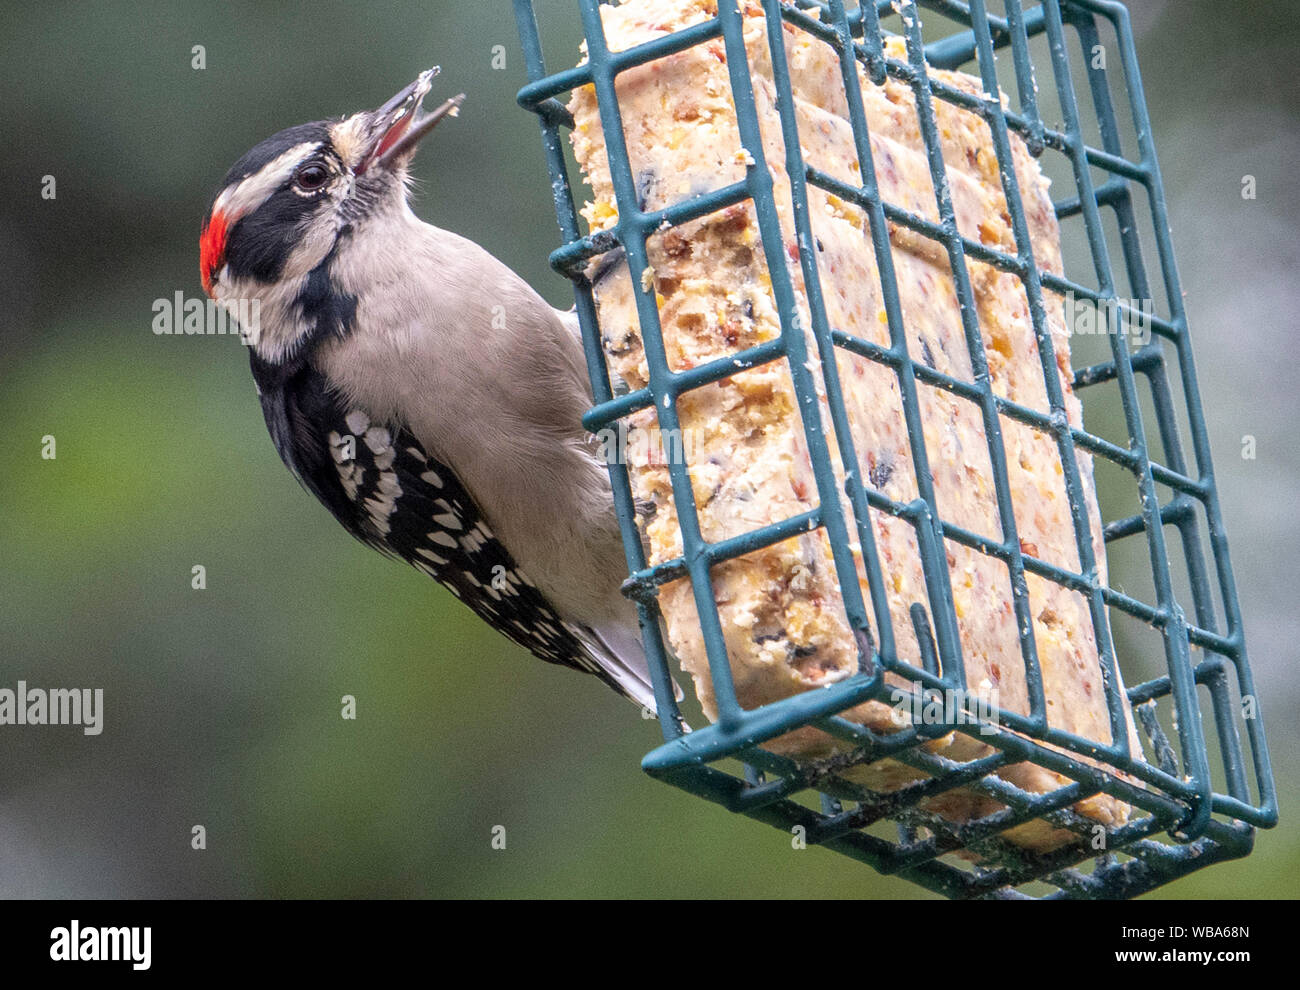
{"points": [[420, 389]]}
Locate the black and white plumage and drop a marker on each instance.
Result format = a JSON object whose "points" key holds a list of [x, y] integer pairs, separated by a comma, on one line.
{"points": [[387, 492], [422, 391]]}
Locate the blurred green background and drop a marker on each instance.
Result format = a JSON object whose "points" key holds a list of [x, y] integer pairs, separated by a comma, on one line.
{"points": [[222, 705]]}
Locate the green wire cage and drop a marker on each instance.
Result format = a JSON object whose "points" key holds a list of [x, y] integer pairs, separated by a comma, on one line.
{"points": [[1202, 793]]}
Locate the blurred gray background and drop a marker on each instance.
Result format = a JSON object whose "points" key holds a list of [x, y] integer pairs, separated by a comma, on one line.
{"points": [[223, 704]]}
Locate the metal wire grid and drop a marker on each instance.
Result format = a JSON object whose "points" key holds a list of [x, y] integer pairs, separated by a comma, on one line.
{"points": [[1178, 796]]}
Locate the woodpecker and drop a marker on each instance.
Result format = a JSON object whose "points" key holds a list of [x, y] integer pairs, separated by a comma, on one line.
{"points": [[420, 389]]}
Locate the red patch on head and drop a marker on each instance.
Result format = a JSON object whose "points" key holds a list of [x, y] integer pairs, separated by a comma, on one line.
{"points": [[212, 249]]}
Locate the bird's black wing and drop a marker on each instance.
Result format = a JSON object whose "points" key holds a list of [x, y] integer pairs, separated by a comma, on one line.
{"points": [[388, 492]]}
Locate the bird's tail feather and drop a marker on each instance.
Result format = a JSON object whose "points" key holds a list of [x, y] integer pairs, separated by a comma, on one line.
{"points": [[618, 651]]}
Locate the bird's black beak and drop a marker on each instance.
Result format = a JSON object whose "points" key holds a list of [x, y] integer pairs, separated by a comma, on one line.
{"points": [[398, 125]]}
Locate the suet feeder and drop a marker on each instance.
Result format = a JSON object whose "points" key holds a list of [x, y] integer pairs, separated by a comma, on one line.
{"points": [[1204, 784]]}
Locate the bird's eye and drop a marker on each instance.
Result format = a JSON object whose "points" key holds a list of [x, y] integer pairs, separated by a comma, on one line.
{"points": [[311, 176]]}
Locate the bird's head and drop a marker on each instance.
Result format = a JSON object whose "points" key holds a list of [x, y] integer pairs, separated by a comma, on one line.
{"points": [[285, 210]]}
